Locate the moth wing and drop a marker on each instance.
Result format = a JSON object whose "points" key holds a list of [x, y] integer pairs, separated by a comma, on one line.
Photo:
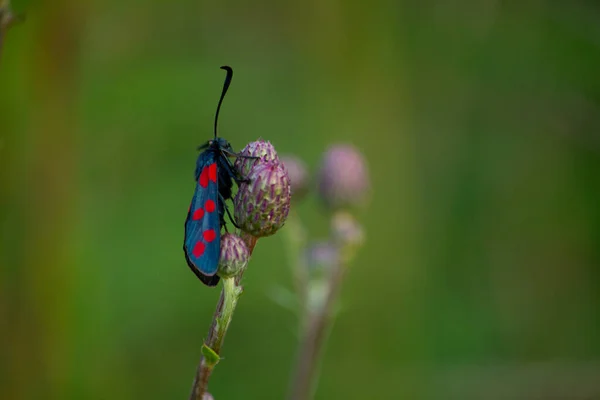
{"points": [[202, 226]]}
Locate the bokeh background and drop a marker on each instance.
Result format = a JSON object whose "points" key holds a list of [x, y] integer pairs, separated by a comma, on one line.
{"points": [[480, 121]]}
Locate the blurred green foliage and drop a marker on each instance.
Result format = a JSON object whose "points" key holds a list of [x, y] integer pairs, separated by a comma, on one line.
{"points": [[481, 124]]}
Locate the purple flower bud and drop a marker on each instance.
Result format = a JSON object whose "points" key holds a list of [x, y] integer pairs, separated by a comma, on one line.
{"points": [[260, 148], [207, 396], [7, 18], [298, 174], [262, 205], [343, 177], [234, 256], [321, 256], [345, 230]]}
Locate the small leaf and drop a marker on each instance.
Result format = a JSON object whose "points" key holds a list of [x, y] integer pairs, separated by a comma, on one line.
{"points": [[210, 356]]}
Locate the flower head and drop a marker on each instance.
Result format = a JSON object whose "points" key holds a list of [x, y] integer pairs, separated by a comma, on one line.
{"points": [[261, 149], [234, 256], [7, 17], [321, 259], [346, 230], [321, 256], [261, 206], [343, 177], [298, 174]]}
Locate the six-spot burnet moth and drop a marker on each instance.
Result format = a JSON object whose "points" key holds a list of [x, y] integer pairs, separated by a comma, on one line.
{"points": [[214, 178]]}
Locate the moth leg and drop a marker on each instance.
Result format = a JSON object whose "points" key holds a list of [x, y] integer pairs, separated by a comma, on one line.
{"points": [[231, 218], [237, 177], [222, 223], [236, 155], [228, 214]]}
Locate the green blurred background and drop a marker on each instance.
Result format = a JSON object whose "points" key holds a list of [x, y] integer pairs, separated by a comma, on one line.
{"points": [[480, 121]]}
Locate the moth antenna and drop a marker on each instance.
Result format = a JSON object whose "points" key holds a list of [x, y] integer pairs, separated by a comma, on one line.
{"points": [[225, 87]]}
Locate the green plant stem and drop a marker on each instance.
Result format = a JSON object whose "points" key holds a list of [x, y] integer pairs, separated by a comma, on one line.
{"points": [[296, 241], [211, 349], [309, 350]]}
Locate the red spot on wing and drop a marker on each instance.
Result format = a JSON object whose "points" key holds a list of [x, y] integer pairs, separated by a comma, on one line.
{"points": [[209, 235], [198, 249], [198, 214], [209, 205], [203, 179], [212, 172]]}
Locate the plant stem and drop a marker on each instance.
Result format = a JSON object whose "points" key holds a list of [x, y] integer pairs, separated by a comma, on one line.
{"points": [[319, 322], [211, 349], [296, 242]]}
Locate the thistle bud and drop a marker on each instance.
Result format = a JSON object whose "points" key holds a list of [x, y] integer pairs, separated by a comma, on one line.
{"points": [[345, 230], [234, 256], [343, 177], [7, 18], [261, 206], [321, 256], [264, 150], [298, 174]]}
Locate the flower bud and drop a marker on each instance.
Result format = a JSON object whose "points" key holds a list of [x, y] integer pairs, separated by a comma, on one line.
{"points": [[298, 174], [261, 206], [260, 148], [343, 177], [345, 230], [321, 256], [7, 18], [234, 256], [207, 396]]}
